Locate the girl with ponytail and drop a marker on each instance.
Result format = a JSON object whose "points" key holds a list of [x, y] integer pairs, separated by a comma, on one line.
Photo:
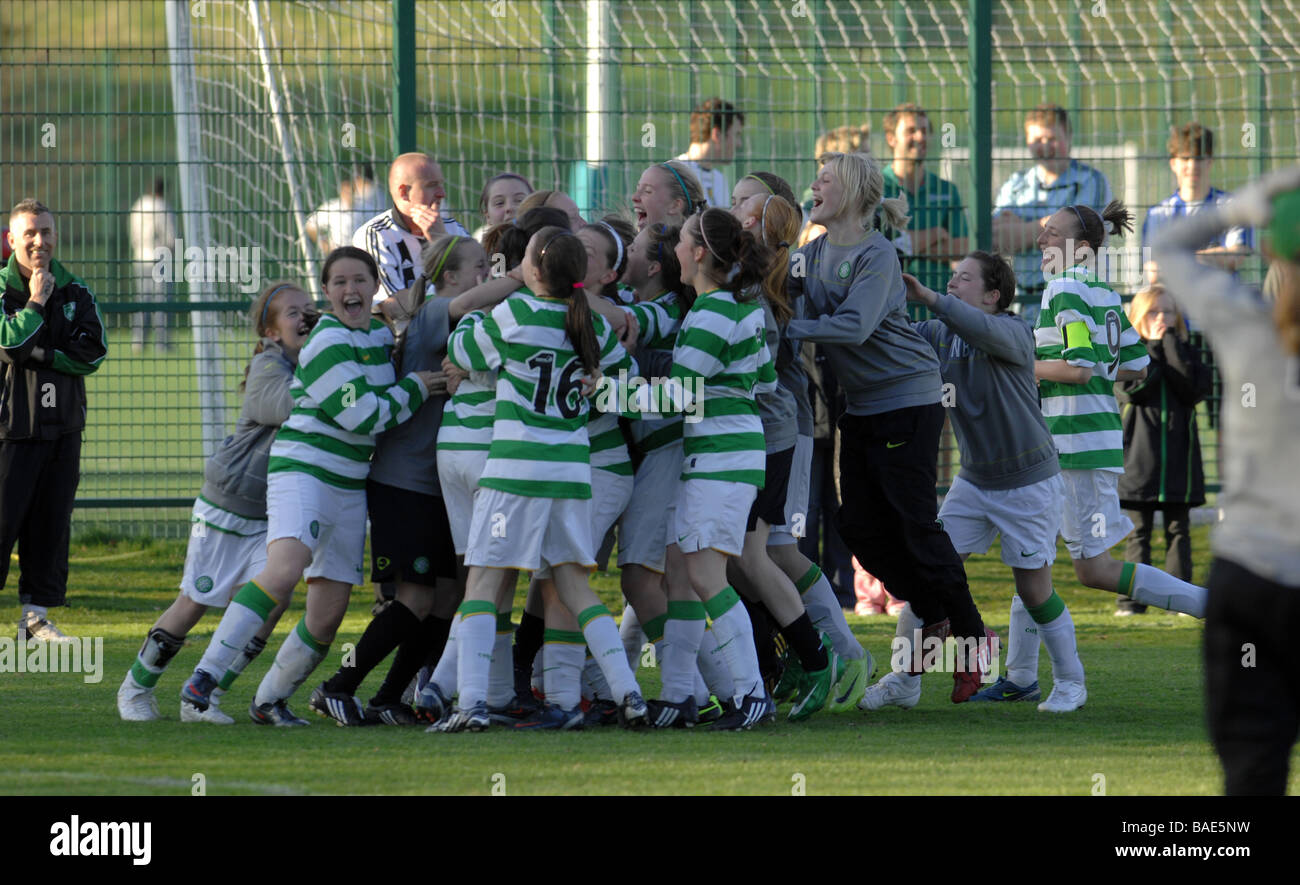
{"points": [[533, 507], [853, 303]]}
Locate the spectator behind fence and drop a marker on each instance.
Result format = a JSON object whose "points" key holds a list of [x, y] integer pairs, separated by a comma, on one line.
{"points": [[1029, 197], [1162, 451], [51, 336], [936, 233], [333, 224], [1191, 158], [152, 227], [716, 129]]}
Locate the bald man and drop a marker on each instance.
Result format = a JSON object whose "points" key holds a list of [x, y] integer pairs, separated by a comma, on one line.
{"points": [[396, 237]]}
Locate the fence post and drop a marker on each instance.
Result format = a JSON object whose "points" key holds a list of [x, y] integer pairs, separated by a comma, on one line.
{"points": [[981, 111], [404, 129]]}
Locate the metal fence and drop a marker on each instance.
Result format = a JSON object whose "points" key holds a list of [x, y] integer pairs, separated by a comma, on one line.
{"points": [[251, 113]]}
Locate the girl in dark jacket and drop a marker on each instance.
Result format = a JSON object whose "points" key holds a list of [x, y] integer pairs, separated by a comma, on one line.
{"points": [[1162, 452]]}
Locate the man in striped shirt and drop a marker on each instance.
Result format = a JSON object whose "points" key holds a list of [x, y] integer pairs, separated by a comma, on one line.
{"points": [[1029, 197], [395, 237]]}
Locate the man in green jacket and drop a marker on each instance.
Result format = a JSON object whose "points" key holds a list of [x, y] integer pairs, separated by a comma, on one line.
{"points": [[51, 335]]}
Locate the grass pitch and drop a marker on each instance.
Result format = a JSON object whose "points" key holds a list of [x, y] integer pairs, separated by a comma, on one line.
{"points": [[1142, 731]]}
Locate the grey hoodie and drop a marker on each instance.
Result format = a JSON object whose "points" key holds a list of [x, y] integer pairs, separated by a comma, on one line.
{"points": [[234, 478], [854, 304], [1260, 530], [989, 361]]}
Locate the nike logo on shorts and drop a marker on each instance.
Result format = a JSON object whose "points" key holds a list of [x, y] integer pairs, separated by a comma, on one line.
{"points": [[890, 445]]}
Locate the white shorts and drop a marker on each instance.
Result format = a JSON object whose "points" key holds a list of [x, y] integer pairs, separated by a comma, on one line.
{"points": [[1092, 521], [458, 475], [610, 495], [225, 552], [1027, 518], [643, 530], [796, 496], [329, 520], [710, 514], [514, 531]]}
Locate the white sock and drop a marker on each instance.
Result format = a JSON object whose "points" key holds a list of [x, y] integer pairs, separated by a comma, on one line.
{"points": [[501, 673], [1022, 645], [904, 631], [1058, 636], [594, 685], [677, 667], [735, 633], [712, 666], [562, 672], [238, 625], [298, 656], [474, 650], [1154, 587], [39, 610], [827, 617], [444, 675], [633, 637], [606, 647]]}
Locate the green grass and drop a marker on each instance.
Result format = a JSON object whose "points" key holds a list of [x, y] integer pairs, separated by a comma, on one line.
{"points": [[1143, 727]]}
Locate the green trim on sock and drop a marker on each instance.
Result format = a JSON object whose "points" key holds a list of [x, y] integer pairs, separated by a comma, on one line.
{"points": [[565, 637], [724, 601], [587, 615], [310, 641], [504, 624], [253, 597], [809, 578], [654, 628], [228, 680], [143, 675], [1127, 574], [476, 607], [1047, 612], [685, 611]]}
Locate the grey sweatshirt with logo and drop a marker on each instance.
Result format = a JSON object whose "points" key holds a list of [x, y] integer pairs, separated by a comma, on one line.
{"points": [[854, 304], [988, 359]]}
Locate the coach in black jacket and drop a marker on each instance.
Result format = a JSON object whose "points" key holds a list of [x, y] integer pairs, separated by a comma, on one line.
{"points": [[51, 335]]}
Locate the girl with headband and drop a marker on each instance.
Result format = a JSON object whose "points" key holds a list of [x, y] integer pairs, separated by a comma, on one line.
{"points": [[228, 540], [666, 193], [345, 392]]}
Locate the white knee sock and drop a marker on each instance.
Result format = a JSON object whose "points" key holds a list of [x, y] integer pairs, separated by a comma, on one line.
{"points": [[444, 675], [244, 616], [826, 615], [607, 648], [1022, 645], [297, 658], [501, 673], [1154, 587], [735, 634], [562, 669], [683, 631], [474, 649], [905, 637]]}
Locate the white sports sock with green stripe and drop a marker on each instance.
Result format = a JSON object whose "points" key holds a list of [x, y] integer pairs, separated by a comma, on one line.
{"points": [[501, 675], [298, 656], [712, 667], [444, 675], [826, 614], [607, 648], [244, 616], [702, 692], [735, 634], [563, 652], [594, 686], [1022, 645], [1151, 586], [477, 635], [683, 630], [1056, 628]]}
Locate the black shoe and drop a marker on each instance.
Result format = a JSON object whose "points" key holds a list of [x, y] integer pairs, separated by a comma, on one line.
{"points": [[277, 713], [666, 714], [342, 708], [391, 714], [521, 706], [602, 712], [713, 711], [754, 710]]}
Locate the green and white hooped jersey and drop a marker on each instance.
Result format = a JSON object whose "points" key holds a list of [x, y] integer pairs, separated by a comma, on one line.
{"points": [[540, 445], [1084, 418], [608, 448], [658, 320], [345, 392]]}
